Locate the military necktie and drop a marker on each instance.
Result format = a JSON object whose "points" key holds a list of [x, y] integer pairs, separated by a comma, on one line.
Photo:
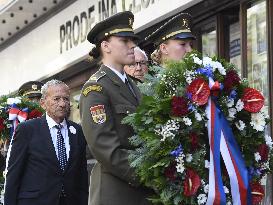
{"points": [[130, 87], [61, 148]]}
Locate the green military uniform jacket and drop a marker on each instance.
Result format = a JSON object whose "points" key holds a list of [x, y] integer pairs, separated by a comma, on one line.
{"points": [[105, 101]]}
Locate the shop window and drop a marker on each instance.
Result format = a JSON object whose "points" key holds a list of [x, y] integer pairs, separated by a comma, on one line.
{"points": [[257, 71], [209, 43], [74, 105], [235, 45], [257, 64]]}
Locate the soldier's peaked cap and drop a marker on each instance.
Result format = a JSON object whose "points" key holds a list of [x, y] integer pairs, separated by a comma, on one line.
{"points": [[31, 89], [178, 27], [120, 24]]}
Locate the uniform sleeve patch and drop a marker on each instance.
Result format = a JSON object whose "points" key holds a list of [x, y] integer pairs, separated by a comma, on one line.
{"points": [[90, 88], [98, 114]]}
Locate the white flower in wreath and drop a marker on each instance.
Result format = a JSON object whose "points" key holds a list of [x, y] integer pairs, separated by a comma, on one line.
{"points": [[189, 157], [180, 168], [264, 111], [239, 105], [201, 199], [207, 61], [187, 121], [207, 164], [197, 60], [257, 156], [240, 125], [257, 121], [219, 66], [206, 188], [230, 102], [231, 113], [226, 190], [16, 100], [268, 141], [168, 130], [198, 117], [72, 129]]}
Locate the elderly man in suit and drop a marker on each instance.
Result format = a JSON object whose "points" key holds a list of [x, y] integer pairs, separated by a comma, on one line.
{"points": [[47, 164], [139, 68], [106, 99]]}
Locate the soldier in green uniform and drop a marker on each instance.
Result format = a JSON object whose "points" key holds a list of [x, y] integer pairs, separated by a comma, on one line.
{"points": [[107, 97], [173, 40]]}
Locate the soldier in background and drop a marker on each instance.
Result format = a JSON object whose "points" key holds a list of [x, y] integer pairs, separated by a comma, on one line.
{"points": [[173, 40], [31, 90]]}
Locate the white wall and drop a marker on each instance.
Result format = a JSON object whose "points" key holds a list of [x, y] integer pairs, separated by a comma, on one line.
{"points": [[37, 55]]}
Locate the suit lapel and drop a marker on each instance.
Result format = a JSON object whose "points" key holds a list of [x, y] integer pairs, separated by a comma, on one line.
{"points": [[124, 90], [47, 136]]}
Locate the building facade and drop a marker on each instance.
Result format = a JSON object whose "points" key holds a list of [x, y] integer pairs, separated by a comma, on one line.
{"points": [[41, 40]]}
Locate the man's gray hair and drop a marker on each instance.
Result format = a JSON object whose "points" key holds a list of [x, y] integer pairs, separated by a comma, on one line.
{"points": [[141, 51], [52, 82]]}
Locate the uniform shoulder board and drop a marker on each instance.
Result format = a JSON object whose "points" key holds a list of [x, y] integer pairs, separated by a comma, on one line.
{"points": [[96, 76]]}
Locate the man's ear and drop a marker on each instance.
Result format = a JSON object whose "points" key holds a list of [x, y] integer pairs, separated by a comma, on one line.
{"points": [[105, 47], [163, 48], [42, 103]]}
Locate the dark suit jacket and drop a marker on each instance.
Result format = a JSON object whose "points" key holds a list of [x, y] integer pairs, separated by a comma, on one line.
{"points": [[34, 175], [112, 179]]}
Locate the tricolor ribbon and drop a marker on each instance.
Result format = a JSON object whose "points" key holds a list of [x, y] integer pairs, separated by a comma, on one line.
{"points": [[16, 116], [222, 142]]}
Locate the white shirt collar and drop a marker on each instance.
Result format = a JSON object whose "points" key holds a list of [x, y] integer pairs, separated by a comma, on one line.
{"points": [[51, 123], [121, 76]]}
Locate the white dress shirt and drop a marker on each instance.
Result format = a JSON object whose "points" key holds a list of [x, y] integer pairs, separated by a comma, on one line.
{"points": [[120, 75], [53, 132]]}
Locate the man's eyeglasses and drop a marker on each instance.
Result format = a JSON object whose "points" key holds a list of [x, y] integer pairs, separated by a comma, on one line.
{"points": [[140, 64]]}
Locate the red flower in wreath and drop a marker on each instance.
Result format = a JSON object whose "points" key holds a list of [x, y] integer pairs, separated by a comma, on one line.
{"points": [[34, 114], [192, 183], [170, 172], [194, 141], [232, 79], [253, 100], [2, 126], [179, 106], [257, 192], [199, 91], [263, 150]]}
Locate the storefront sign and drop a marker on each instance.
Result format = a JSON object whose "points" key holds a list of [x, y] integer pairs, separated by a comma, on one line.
{"points": [[75, 29], [61, 41]]}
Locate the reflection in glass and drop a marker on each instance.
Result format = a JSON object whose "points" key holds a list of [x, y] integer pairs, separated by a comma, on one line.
{"points": [[257, 71], [209, 43], [235, 46], [74, 106], [257, 48]]}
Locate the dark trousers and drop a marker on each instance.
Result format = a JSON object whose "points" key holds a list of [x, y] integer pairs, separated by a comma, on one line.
{"points": [[62, 201]]}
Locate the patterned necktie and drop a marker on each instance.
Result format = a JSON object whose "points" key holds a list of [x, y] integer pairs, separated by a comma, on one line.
{"points": [[61, 148], [130, 87]]}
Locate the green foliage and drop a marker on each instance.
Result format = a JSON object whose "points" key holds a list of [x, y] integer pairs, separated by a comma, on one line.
{"points": [[160, 131], [21, 103]]}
